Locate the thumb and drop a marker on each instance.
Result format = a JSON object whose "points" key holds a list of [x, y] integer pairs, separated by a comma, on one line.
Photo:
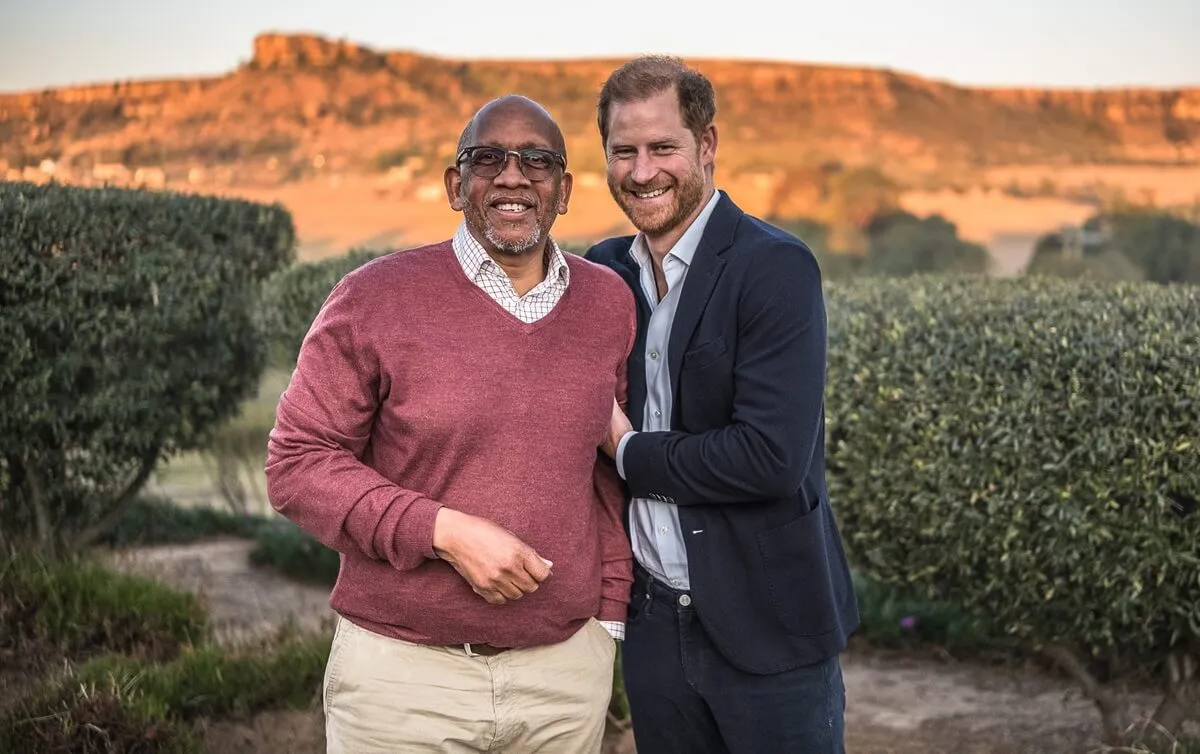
{"points": [[537, 566]]}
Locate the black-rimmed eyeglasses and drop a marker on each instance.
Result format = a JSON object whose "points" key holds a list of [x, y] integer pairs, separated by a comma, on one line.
{"points": [[489, 162]]}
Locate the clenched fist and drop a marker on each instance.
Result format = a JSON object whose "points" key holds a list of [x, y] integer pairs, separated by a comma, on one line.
{"points": [[498, 566]]}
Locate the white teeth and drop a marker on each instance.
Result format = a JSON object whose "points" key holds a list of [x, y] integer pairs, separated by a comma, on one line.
{"points": [[512, 207], [651, 194]]}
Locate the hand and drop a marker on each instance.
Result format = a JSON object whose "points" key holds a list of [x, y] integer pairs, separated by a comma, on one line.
{"points": [[618, 427], [498, 566]]}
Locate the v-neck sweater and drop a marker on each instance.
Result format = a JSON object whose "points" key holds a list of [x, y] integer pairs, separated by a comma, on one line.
{"points": [[415, 390]]}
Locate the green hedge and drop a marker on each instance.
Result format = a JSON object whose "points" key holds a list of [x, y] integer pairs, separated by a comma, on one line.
{"points": [[294, 296], [130, 320], [1028, 449]]}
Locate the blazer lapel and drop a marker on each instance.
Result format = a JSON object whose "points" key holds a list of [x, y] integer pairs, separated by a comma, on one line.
{"points": [[636, 404], [702, 276]]}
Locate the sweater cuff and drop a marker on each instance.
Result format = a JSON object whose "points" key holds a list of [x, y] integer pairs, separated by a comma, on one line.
{"points": [[612, 611], [403, 535]]}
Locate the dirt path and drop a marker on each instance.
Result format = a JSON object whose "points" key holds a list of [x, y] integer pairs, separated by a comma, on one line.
{"points": [[897, 704]]}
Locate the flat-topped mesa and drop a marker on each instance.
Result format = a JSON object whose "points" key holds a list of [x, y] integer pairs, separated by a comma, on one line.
{"points": [[276, 51]]}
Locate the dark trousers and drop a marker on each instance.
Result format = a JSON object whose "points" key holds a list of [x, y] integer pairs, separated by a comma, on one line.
{"points": [[685, 698]]}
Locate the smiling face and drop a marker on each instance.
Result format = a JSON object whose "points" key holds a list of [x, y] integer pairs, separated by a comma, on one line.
{"points": [[510, 214], [658, 172]]}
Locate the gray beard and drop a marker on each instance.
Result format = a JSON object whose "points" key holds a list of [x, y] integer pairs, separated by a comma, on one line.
{"points": [[514, 247]]}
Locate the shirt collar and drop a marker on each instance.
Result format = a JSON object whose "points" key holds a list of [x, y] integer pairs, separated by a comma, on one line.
{"points": [[685, 248], [474, 258]]}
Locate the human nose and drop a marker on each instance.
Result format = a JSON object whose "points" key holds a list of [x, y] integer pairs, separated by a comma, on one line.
{"points": [[644, 169], [512, 174]]}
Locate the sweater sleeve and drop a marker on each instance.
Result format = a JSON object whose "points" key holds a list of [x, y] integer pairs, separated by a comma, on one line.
{"points": [[616, 556], [315, 473]]}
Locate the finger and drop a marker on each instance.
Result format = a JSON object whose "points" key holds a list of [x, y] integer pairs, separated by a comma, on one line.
{"points": [[491, 597], [510, 590]]}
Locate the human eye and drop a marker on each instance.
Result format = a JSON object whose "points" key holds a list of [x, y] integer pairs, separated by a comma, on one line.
{"points": [[487, 157], [537, 158]]}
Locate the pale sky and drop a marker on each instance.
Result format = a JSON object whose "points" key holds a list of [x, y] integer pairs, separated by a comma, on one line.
{"points": [[1057, 43]]}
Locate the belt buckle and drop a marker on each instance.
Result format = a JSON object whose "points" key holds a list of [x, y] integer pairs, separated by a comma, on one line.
{"points": [[469, 651]]}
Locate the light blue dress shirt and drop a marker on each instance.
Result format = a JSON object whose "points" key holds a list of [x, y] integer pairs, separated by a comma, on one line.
{"points": [[654, 525]]}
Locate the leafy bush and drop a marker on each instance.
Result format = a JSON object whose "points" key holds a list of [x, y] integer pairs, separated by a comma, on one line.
{"points": [[1029, 449], [293, 551], [294, 295], [155, 520], [130, 324], [75, 607]]}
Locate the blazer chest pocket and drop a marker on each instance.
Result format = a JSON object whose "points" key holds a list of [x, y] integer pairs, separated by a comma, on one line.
{"points": [[706, 354]]}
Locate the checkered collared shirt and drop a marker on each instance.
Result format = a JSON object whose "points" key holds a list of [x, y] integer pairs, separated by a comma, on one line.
{"points": [[483, 271]]}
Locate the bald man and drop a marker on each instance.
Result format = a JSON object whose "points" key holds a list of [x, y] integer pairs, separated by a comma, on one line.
{"points": [[440, 431]]}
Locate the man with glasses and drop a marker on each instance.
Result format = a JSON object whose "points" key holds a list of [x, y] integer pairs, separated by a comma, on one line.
{"points": [[440, 431]]}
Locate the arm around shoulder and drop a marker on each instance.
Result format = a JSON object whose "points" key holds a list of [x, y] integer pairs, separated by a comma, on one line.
{"points": [[776, 416]]}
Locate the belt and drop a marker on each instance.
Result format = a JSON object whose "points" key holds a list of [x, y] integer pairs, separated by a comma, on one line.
{"points": [[478, 650]]}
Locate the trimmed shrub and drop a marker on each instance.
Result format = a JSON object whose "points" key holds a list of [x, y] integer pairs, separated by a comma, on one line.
{"points": [[294, 296], [75, 608], [294, 552], [1030, 450], [131, 328]]}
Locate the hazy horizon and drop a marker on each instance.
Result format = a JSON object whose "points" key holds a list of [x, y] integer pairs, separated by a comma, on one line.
{"points": [[1026, 43]]}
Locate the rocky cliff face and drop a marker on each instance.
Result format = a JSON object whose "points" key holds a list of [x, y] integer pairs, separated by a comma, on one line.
{"points": [[301, 96]]}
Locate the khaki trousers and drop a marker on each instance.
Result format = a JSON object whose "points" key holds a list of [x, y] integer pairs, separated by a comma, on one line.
{"points": [[384, 695]]}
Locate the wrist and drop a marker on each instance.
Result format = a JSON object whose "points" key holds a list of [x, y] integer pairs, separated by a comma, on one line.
{"points": [[445, 527]]}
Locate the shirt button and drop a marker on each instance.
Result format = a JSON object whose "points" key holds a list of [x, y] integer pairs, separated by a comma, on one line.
{"points": [[654, 355], [685, 600], [665, 529], [657, 414]]}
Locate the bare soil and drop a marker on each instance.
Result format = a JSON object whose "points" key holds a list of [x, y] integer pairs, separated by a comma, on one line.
{"points": [[898, 703]]}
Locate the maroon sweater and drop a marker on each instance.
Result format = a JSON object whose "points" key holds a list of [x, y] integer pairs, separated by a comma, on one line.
{"points": [[415, 390]]}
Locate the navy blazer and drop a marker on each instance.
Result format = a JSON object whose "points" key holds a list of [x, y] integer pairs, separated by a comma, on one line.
{"points": [[745, 458]]}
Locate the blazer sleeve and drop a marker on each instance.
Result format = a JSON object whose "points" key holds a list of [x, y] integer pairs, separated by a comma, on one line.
{"points": [[777, 417]]}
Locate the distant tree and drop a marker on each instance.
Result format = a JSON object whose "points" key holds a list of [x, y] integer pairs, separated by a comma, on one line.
{"points": [[900, 243], [1129, 244], [1165, 246]]}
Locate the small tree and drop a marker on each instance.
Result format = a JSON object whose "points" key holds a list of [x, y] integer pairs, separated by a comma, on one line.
{"points": [[130, 322]]}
